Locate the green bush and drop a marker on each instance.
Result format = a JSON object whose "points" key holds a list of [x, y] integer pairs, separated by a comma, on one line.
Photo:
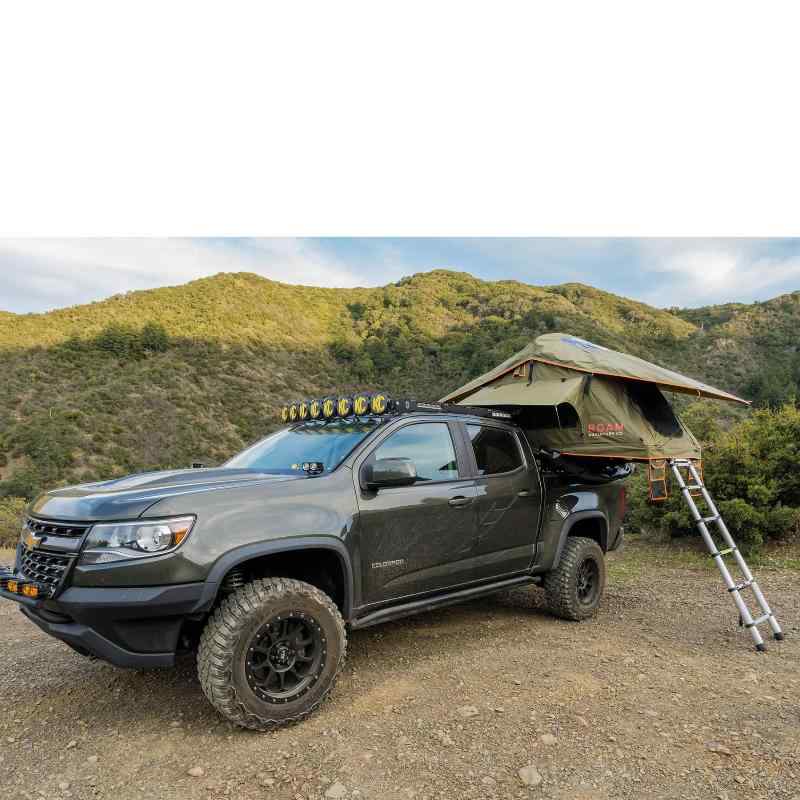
{"points": [[750, 470], [12, 510]]}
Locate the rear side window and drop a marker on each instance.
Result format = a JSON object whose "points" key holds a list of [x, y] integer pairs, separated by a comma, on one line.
{"points": [[495, 450]]}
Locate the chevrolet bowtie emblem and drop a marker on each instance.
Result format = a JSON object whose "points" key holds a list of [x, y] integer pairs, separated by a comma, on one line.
{"points": [[31, 540]]}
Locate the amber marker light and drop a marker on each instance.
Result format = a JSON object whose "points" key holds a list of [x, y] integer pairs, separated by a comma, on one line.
{"points": [[180, 530], [12, 586], [30, 591]]}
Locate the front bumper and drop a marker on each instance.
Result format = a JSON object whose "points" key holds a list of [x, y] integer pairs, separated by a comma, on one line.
{"points": [[135, 627]]}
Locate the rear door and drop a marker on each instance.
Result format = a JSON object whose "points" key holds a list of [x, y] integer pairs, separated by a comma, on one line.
{"points": [[419, 538], [508, 501]]}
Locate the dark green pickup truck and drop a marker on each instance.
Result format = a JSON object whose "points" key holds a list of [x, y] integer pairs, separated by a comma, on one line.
{"points": [[262, 565]]}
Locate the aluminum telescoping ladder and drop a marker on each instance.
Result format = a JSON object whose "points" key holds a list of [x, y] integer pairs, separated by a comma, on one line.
{"points": [[735, 589]]}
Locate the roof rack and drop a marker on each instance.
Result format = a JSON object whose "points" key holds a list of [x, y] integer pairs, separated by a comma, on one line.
{"points": [[365, 404], [473, 411]]}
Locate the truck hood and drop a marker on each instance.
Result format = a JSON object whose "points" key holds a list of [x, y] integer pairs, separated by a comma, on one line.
{"points": [[131, 496]]}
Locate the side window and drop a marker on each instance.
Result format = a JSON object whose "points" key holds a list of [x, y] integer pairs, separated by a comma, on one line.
{"points": [[429, 445], [495, 450]]}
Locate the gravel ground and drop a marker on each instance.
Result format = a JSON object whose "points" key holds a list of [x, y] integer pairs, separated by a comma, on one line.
{"points": [[660, 696]]}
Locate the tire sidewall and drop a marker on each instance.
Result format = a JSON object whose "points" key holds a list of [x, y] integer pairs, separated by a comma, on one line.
{"points": [[333, 643]]}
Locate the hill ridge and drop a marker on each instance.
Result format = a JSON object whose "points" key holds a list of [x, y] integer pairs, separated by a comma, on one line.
{"points": [[162, 377]]}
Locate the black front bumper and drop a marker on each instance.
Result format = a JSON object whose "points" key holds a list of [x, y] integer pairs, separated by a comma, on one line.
{"points": [[137, 627]]}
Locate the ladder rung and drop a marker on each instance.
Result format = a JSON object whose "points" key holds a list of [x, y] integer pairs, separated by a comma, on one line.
{"points": [[689, 488]]}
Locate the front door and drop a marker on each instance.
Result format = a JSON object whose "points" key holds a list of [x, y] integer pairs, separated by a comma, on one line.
{"points": [[418, 538], [508, 501]]}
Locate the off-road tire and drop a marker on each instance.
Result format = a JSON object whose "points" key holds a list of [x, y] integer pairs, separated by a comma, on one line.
{"points": [[561, 585], [221, 657]]}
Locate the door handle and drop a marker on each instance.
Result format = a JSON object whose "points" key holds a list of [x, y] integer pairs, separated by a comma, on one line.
{"points": [[523, 493], [458, 502]]}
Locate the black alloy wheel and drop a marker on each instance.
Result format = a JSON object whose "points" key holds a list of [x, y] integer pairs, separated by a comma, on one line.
{"points": [[284, 657], [574, 588], [588, 582], [271, 652]]}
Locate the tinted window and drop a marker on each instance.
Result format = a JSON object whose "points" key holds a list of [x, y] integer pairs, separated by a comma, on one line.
{"points": [[428, 445], [495, 450]]}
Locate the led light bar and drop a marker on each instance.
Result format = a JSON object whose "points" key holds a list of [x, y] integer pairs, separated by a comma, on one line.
{"points": [[360, 404]]}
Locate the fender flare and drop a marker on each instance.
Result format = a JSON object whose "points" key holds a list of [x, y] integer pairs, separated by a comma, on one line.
{"points": [[570, 521], [225, 563]]}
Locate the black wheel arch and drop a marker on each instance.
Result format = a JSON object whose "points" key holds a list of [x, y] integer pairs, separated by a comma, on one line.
{"points": [[263, 550], [592, 524]]}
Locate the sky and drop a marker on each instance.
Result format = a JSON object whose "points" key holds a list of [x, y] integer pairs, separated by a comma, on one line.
{"points": [[41, 274]]}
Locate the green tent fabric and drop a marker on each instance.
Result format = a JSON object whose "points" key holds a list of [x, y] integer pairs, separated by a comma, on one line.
{"points": [[560, 349], [587, 401]]}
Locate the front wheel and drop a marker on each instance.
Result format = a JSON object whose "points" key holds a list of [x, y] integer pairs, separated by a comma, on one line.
{"points": [[271, 653], [574, 588]]}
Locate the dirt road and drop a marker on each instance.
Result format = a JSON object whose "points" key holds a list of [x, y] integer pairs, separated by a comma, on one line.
{"points": [[661, 696]]}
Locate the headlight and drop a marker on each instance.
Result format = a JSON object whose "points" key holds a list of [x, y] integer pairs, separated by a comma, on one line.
{"points": [[118, 541]]}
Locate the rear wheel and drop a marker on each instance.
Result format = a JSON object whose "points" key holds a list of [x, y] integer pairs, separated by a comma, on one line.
{"points": [[271, 653], [575, 587]]}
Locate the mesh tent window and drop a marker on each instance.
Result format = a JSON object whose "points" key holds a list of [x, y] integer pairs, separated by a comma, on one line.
{"points": [[654, 407], [541, 418]]}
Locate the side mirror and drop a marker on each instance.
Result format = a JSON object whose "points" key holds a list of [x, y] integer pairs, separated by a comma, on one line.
{"points": [[385, 472]]}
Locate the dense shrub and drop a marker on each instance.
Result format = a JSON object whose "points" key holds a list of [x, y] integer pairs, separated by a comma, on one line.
{"points": [[751, 470]]}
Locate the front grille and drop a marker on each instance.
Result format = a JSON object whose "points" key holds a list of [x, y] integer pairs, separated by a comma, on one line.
{"points": [[42, 528], [43, 567]]}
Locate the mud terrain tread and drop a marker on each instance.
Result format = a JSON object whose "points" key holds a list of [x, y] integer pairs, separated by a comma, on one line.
{"points": [[559, 584], [218, 641]]}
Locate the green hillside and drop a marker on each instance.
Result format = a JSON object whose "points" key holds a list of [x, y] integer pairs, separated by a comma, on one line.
{"points": [[193, 373]]}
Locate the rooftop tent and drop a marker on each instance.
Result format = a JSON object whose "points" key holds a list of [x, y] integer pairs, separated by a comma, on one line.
{"points": [[586, 400]]}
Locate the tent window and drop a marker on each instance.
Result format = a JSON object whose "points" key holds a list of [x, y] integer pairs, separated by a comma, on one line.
{"points": [[654, 407], [537, 418]]}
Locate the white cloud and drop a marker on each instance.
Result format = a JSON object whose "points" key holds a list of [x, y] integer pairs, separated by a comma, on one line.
{"points": [[692, 272], [39, 274]]}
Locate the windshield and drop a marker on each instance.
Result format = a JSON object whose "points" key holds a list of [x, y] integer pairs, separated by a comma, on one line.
{"points": [[325, 443]]}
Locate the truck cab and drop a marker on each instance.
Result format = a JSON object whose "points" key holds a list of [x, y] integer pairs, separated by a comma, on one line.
{"points": [[328, 525]]}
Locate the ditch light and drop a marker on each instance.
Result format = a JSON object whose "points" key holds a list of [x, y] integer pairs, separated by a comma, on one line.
{"points": [[341, 406], [16, 585]]}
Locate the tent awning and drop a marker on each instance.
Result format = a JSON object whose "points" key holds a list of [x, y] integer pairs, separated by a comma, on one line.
{"points": [[570, 352]]}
